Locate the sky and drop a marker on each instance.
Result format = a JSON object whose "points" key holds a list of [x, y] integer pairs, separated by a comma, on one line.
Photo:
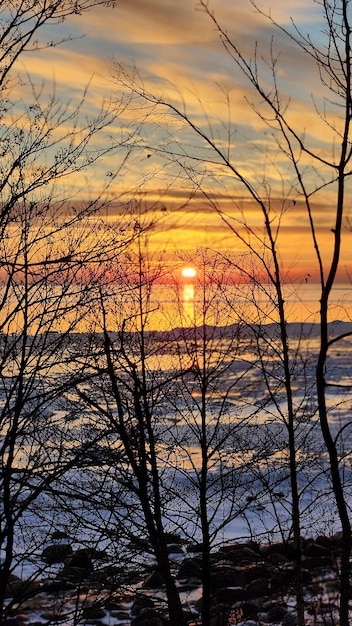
{"points": [[177, 52]]}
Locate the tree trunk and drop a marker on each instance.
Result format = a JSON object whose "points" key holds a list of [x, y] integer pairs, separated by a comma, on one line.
{"points": [[176, 615], [345, 567]]}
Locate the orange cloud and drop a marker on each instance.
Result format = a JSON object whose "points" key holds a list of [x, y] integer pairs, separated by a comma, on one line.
{"points": [[180, 57]]}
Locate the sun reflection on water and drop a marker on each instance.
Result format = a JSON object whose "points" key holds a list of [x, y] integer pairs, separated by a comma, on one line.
{"points": [[188, 302]]}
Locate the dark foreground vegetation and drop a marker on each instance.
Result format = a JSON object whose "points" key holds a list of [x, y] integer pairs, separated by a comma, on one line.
{"points": [[250, 584], [107, 432]]}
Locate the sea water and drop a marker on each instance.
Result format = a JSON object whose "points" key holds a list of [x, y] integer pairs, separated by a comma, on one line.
{"points": [[190, 303], [249, 485]]}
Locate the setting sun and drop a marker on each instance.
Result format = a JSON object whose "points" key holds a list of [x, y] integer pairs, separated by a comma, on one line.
{"points": [[189, 272]]}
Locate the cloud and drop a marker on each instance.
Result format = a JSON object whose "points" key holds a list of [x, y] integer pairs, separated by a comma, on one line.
{"points": [[180, 56], [150, 21]]}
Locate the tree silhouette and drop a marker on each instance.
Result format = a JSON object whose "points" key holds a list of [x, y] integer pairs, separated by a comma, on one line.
{"points": [[307, 173]]}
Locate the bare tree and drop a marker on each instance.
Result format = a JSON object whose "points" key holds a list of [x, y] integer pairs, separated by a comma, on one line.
{"points": [[127, 393], [55, 251], [310, 175], [23, 22], [161, 395], [209, 415]]}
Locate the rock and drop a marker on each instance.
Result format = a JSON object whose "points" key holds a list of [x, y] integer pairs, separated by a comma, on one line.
{"points": [[242, 555], [173, 538], [53, 585], [14, 583], [58, 535], [174, 549], [119, 604], [190, 585], [240, 613], [56, 553], [55, 617], [149, 617], [277, 558], [315, 549], [118, 608], [257, 588], [108, 574], [219, 616], [322, 540], [286, 549], [258, 571], [290, 619], [276, 613], [96, 555], [79, 563], [141, 603], [198, 604], [233, 547], [80, 559], [229, 595], [334, 544], [220, 619], [233, 578], [93, 612], [337, 540], [140, 543], [190, 568], [195, 548], [284, 578], [19, 589], [154, 581], [249, 610], [317, 562], [121, 616], [21, 618]]}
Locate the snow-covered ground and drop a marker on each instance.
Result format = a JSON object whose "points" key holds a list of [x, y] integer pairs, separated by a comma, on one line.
{"points": [[248, 477]]}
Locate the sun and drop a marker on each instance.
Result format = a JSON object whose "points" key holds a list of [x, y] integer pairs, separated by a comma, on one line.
{"points": [[188, 272]]}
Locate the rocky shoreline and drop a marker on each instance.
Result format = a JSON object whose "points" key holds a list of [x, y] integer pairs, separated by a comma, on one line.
{"points": [[251, 584]]}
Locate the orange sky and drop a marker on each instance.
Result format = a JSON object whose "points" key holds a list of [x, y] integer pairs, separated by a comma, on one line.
{"points": [[180, 58]]}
